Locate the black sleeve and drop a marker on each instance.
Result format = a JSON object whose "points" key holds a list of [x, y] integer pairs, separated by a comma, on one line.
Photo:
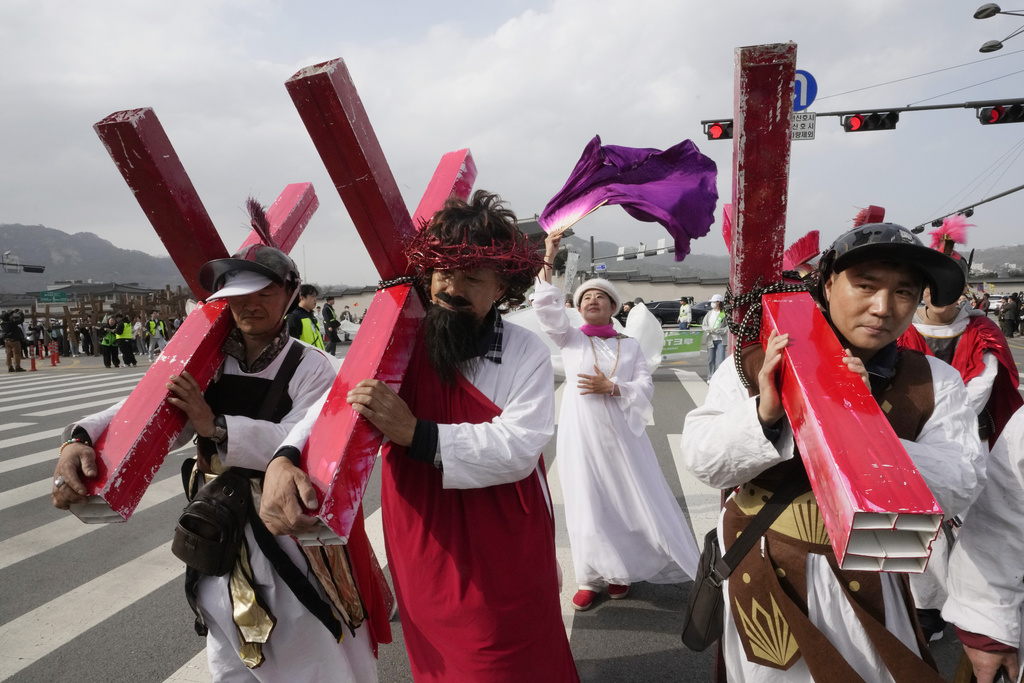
{"points": [[294, 325], [290, 452], [424, 442]]}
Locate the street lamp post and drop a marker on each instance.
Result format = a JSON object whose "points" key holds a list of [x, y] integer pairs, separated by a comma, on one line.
{"points": [[989, 10]]}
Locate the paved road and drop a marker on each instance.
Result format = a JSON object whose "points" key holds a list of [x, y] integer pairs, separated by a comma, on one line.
{"points": [[104, 603]]}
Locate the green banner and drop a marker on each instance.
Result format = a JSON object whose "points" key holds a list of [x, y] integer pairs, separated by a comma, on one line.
{"points": [[680, 342], [53, 297]]}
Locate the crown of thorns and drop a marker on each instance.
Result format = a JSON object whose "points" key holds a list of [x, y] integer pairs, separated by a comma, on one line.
{"points": [[510, 258]]}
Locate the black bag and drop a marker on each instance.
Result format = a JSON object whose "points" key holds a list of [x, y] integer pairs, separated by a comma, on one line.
{"points": [[705, 614], [211, 527], [704, 619]]}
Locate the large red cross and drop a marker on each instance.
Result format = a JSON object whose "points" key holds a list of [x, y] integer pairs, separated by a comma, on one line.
{"points": [[877, 510], [134, 445], [342, 447]]}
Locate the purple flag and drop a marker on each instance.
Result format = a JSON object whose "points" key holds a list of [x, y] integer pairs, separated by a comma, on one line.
{"points": [[675, 188]]}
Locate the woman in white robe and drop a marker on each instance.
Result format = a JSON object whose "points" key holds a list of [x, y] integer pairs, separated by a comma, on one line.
{"points": [[624, 523]]}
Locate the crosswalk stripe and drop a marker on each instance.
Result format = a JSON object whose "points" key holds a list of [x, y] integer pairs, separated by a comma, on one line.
{"points": [[195, 670], [23, 494], [28, 460], [15, 425], [65, 389], [48, 536], [374, 526], [702, 502], [696, 387], [70, 397], [36, 634], [29, 438], [105, 402], [38, 381]]}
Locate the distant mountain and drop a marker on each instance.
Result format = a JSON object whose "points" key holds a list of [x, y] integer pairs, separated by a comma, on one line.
{"points": [[996, 258], [82, 256]]}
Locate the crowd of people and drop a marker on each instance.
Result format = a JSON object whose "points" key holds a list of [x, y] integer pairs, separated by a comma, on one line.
{"points": [[467, 516]]}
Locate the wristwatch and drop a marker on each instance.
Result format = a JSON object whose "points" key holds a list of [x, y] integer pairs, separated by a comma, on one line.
{"points": [[220, 430]]}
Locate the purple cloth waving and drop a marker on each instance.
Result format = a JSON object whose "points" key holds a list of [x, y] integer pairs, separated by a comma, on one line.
{"points": [[675, 188]]}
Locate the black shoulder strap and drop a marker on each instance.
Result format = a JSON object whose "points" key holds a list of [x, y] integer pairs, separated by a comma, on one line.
{"points": [[293, 576], [779, 501], [281, 380]]}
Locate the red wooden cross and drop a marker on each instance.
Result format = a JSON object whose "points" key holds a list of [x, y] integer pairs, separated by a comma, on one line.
{"points": [[877, 510], [342, 447], [132, 448]]}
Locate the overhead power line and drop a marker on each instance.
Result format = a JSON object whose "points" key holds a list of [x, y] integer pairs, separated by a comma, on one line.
{"points": [[927, 73]]}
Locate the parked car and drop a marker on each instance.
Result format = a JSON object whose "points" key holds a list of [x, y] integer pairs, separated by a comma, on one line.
{"points": [[668, 311], [994, 302]]}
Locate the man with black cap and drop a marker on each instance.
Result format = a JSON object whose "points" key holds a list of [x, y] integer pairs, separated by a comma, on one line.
{"points": [[250, 615], [795, 616]]}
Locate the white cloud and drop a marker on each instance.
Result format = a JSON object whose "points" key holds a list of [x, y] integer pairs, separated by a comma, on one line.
{"points": [[523, 84]]}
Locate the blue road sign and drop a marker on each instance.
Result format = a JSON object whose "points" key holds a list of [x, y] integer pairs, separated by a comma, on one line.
{"points": [[600, 267], [805, 89]]}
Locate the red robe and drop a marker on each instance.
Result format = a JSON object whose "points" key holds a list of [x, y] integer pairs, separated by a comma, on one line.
{"points": [[981, 335], [474, 569]]}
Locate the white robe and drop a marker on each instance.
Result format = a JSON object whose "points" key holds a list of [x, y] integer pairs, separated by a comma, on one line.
{"points": [[986, 567], [624, 523], [300, 647], [724, 446], [929, 588]]}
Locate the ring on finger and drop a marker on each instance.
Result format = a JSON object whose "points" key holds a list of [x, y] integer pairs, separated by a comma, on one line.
{"points": [[58, 482]]}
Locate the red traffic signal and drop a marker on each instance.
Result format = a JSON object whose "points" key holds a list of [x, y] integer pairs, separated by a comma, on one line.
{"points": [[718, 130], [879, 120], [999, 114]]}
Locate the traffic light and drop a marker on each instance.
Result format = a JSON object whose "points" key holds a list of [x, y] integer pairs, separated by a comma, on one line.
{"points": [[988, 116], [878, 120], [718, 130]]}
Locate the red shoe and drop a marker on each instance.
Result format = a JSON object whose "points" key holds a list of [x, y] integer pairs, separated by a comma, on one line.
{"points": [[583, 600], [617, 592]]}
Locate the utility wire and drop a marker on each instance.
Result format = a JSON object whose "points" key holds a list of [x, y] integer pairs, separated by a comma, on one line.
{"points": [[975, 183], [927, 73], [966, 87]]}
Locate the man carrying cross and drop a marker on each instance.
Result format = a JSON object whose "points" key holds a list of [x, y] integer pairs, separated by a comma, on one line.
{"points": [[791, 614], [257, 624], [466, 511]]}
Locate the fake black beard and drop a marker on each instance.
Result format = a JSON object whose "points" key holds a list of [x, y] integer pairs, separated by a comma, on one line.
{"points": [[451, 338]]}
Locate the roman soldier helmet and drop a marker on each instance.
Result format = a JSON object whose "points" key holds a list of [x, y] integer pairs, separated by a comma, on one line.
{"points": [[891, 242], [254, 265]]}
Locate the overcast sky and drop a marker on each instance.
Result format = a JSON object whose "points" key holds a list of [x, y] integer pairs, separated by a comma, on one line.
{"points": [[523, 83]]}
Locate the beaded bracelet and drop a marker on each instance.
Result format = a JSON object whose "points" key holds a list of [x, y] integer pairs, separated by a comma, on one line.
{"points": [[68, 443]]}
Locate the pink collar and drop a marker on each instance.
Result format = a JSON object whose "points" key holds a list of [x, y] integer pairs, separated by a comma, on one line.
{"points": [[605, 331]]}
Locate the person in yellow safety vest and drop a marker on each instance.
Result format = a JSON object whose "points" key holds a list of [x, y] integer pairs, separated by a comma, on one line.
{"points": [[302, 323], [125, 341], [108, 343], [156, 330]]}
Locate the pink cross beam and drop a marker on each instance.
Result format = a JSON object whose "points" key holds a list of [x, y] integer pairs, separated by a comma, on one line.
{"points": [[132, 448], [342, 447], [876, 508], [878, 511]]}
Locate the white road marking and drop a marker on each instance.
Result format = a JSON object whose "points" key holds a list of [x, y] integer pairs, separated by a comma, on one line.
{"points": [[68, 527], [50, 402], [105, 402], [66, 388], [28, 460], [29, 438], [36, 634]]}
